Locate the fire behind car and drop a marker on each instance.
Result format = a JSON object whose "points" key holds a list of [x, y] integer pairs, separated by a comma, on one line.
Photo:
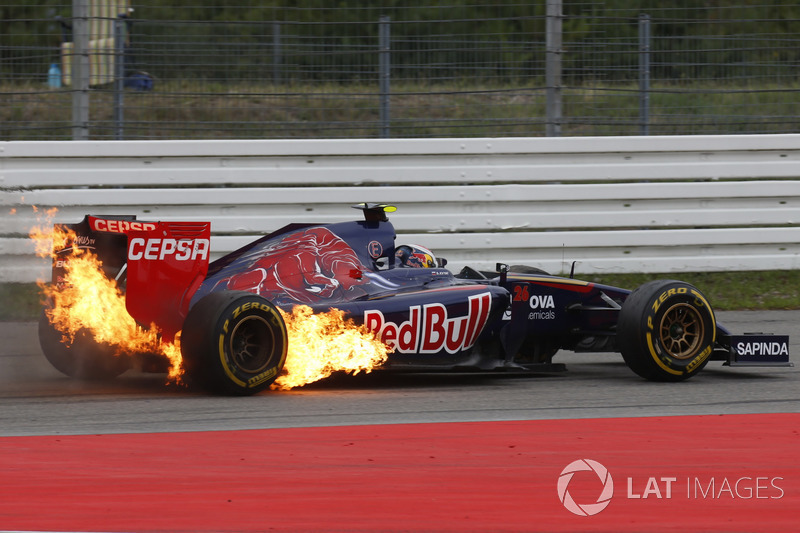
{"points": [[230, 312]]}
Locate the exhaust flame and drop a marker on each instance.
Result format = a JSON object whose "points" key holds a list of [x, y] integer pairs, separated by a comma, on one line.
{"points": [[323, 343], [86, 299]]}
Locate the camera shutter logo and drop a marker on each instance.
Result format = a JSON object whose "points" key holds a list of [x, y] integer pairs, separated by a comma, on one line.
{"points": [[585, 509]]}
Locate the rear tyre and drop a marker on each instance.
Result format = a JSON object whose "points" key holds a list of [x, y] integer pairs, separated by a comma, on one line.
{"points": [[234, 342], [666, 331], [83, 358]]}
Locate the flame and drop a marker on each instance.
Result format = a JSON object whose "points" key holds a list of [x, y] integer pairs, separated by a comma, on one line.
{"points": [[86, 299], [319, 344], [323, 343]]}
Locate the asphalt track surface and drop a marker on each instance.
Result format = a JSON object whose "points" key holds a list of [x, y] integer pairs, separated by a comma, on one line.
{"points": [[35, 399], [383, 452]]}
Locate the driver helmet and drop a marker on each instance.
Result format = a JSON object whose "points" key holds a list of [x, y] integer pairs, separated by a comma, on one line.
{"points": [[415, 256]]}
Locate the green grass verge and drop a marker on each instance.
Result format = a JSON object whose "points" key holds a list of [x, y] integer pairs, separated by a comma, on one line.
{"points": [[727, 291], [19, 301]]}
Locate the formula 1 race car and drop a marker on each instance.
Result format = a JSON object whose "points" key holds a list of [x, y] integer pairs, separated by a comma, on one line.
{"points": [[233, 339]]}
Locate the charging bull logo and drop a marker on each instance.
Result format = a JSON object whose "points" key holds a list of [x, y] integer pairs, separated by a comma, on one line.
{"points": [[309, 266], [430, 330]]}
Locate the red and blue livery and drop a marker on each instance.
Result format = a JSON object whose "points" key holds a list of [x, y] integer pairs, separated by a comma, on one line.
{"points": [[517, 318]]}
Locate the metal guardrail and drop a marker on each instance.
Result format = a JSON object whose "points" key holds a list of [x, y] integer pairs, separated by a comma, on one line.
{"points": [[624, 204]]}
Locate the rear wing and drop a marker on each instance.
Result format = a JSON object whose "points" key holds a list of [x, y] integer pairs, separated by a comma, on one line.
{"points": [[159, 264], [166, 265]]}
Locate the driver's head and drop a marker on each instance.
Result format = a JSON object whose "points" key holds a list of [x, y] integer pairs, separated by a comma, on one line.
{"points": [[415, 256]]}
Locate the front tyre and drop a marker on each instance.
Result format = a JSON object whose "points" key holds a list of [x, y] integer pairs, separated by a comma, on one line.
{"points": [[666, 331], [234, 342]]}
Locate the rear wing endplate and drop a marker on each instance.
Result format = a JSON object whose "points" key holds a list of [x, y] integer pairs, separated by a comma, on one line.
{"points": [[166, 265]]}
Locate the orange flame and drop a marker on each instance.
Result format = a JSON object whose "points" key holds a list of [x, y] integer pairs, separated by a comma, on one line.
{"points": [[86, 299], [323, 343]]}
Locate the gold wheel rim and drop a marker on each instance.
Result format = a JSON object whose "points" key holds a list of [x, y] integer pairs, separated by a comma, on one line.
{"points": [[681, 331]]}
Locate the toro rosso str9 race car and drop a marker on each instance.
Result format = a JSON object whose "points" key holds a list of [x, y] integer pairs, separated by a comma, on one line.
{"points": [[233, 339]]}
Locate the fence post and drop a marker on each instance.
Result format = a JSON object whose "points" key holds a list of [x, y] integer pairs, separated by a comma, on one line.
{"points": [[644, 74], [80, 70], [277, 58], [553, 42], [384, 69], [119, 76]]}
